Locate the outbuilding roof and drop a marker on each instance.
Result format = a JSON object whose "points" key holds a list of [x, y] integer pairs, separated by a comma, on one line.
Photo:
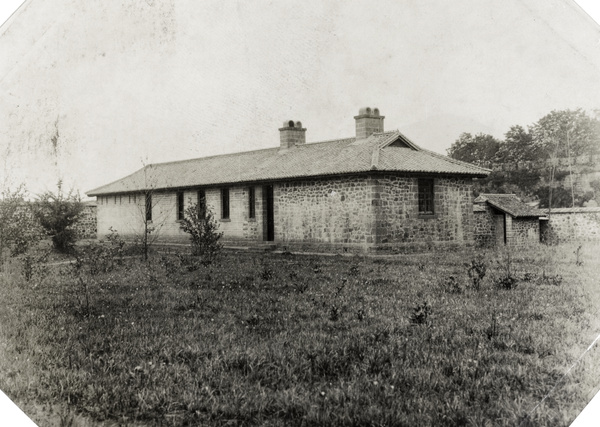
{"points": [[385, 151], [510, 204]]}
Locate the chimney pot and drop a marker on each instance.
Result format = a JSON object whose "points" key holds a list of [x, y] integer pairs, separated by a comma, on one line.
{"points": [[368, 122], [291, 134]]}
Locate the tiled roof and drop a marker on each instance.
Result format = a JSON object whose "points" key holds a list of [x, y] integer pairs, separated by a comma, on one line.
{"points": [[510, 204], [387, 151]]}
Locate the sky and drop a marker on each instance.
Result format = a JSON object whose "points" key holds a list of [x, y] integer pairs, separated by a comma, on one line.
{"points": [[95, 91], [592, 7]]}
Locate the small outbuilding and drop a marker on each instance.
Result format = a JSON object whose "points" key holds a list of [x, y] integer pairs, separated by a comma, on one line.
{"points": [[504, 220]]}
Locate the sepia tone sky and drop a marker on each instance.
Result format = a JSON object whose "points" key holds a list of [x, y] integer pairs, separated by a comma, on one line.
{"points": [[92, 91]]}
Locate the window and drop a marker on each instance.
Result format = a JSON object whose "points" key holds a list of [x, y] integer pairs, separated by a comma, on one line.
{"points": [[426, 196], [201, 204], [251, 203], [148, 207], [180, 207], [225, 203]]}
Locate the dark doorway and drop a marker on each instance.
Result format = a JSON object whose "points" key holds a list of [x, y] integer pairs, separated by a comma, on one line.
{"points": [[269, 219], [500, 221]]}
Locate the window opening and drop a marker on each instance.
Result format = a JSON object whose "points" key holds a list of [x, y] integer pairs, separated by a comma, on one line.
{"points": [[180, 207], [426, 196], [225, 203], [251, 203]]}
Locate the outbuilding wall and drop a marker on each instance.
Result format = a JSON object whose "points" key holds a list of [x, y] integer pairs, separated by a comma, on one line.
{"points": [[522, 231], [484, 226]]}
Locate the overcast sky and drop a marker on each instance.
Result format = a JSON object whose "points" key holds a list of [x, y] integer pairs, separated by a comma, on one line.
{"points": [[592, 7], [94, 91]]}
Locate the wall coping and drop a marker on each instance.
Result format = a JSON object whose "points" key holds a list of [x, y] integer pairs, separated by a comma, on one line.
{"points": [[571, 210]]}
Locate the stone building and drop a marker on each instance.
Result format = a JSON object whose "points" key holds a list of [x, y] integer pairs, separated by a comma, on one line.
{"points": [[502, 219], [374, 190]]}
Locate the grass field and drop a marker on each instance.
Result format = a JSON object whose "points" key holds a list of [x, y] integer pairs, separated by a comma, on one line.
{"points": [[272, 339]]}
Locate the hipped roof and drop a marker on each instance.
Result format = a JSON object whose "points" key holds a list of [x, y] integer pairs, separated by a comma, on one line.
{"points": [[386, 151]]}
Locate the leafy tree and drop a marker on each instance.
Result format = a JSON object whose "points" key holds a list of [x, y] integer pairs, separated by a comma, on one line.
{"points": [[57, 213], [18, 230], [203, 230], [556, 197], [567, 133], [518, 146], [479, 149]]}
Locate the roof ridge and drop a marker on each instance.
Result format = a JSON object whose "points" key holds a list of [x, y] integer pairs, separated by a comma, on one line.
{"points": [[237, 153], [451, 160]]}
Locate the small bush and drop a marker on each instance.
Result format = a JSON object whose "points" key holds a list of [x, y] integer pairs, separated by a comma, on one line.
{"points": [[34, 267], [57, 214], [507, 282], [506, 279], [476, 270], [101, 257], [202, 227], [420, 314], [267, 272], [334, 313]]}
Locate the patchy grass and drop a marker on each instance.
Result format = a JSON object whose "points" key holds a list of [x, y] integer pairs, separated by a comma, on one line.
{"points": [[264, 339]]}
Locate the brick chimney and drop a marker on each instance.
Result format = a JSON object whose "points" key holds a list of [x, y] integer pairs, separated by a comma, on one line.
{"points": [[368, 122], [292, 134]]}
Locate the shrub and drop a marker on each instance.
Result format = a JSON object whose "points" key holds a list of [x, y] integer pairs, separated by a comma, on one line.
{"points": [[506, 279], [202, 228], [101, 258], [420, 314], [18, 230], [506, 282], [57, 214], [476, 270], [34, 267]]}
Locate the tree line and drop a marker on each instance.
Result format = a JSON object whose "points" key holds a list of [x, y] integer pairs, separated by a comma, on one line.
{"points": [[564, 134]]}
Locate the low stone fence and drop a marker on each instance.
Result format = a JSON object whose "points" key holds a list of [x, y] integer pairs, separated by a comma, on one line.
{"points": [[571, 225]]}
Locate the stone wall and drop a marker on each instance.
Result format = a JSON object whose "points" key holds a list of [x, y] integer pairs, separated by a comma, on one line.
{"points": [[484, 226], [346, 213], [571, 224], [398, 222], [522, 231], [87, 225], [330, 211], [379, 211]]}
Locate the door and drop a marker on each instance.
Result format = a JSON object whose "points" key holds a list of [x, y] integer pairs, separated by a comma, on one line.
{"points": [[269, 222], [500, 230]]}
